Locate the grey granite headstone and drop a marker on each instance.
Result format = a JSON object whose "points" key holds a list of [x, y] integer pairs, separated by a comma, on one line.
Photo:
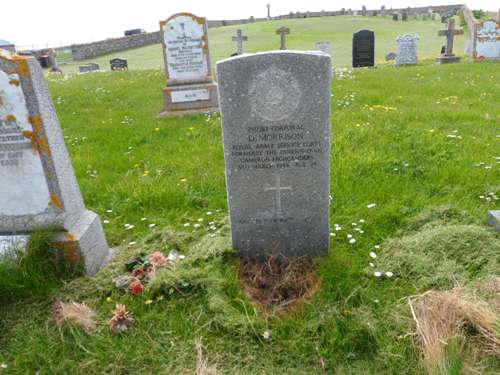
{"points": [[494, 219], [38, 187], [276, 125], [407, 50]]}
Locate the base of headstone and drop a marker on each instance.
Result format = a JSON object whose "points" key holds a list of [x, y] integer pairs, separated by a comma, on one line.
{"points": [[494, 219], [84, 242], [179, 100], [447, 59]]}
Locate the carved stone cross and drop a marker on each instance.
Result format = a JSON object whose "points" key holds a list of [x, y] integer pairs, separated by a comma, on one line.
{"points": [[449, 34], [282, 31], [278, 188], [239, 39]]}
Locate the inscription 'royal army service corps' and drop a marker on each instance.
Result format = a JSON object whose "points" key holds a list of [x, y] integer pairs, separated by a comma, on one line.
{"points": [[274, 96]]}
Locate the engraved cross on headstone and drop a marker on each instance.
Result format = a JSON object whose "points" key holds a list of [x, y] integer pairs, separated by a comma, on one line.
{"points": [[239, 39], [278, 188], [449, 34], [282, 31]]}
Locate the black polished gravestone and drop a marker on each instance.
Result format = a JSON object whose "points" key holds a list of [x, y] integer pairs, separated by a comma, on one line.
{"points": [[118, 64], [363, 49]]}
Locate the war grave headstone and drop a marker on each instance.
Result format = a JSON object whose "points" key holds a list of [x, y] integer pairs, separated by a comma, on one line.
{"points": [[118, 64], [407, 50], [448, 56], [38, 186], [325, 47], [363, 49], [239, 39], [190, 87], [275, 110], [282, 32], [494, 219], [488, 41]]}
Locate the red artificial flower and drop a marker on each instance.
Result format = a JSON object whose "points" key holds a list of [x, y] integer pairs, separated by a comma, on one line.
{"points": [[136, 287]]}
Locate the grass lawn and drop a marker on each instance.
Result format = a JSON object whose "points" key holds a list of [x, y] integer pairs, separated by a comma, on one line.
{"points": [[304, 34], [406, 139]]}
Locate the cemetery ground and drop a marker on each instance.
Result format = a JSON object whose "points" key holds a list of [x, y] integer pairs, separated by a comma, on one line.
{"points": [[415, 168], [304, 33]]}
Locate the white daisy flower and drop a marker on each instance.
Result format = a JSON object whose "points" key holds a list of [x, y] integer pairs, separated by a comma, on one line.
{"points": [[389, 274], [373, 255], [377, 274], [352, 240]]}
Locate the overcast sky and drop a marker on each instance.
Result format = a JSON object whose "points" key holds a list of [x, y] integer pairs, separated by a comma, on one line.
{"points": [[62, 22]]}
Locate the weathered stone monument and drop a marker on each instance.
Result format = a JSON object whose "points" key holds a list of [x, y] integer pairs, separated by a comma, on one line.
{"points": [[89, 68], [325, 47], [488, 41], [268, 12], [190, 87], [390, 56], [363, 49], [363, 11], [38, 187], [448, 56], [239, 39], [275, 110], [282, 32], [407, 50]]}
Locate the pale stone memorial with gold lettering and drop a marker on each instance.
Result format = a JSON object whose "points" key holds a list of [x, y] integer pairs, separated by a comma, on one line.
{"points": [[190, 87]]}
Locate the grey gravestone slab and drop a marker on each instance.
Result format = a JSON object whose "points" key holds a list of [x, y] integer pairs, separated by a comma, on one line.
{"points": [[363, 49], [494, 219], [38, 187], [407, 50], [488, 41], [325, 47], [275, 110], [89, 68], [190, 87]]}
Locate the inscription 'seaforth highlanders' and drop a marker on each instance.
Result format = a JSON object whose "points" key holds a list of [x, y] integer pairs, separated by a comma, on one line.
{"points": [[276, 125]]}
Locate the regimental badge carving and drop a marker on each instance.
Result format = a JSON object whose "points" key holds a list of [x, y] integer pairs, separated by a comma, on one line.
{"points": [[274, 94]]}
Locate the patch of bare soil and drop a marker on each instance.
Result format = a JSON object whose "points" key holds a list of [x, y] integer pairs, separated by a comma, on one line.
{"points": [[278, 282]]}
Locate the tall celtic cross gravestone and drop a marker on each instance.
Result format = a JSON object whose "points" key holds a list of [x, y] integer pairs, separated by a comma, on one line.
{"points": [[450, 33], [407, 50], [38, 188], [275, 110], [363, 49], [239, 39], [282, 32], [190, 87]]}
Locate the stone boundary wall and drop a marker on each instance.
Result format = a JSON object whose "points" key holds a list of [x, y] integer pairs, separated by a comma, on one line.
{"points": [[103, 47]]}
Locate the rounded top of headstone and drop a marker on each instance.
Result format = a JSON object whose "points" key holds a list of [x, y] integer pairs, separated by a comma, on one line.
{"points": [[200, 20]]}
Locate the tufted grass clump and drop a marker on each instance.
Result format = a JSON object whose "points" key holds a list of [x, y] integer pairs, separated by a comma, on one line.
{"points": [[440, 256]]}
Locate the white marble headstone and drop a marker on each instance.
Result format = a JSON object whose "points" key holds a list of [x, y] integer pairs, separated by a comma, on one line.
{"points": [[186, 50], [488, 41]]}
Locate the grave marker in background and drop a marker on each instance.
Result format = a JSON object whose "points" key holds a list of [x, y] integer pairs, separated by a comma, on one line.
{"points": [[190, 87], [448, 56], [282, 32], [275, 110], [38, 187], [118, 64], [239, 39], [407, 50], [325, 47], [363, 49], [488, 41]]}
